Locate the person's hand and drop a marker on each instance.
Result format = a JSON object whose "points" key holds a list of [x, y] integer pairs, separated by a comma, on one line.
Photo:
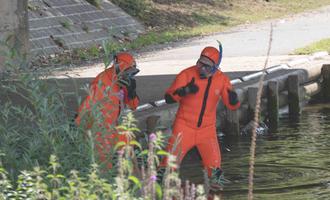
{"points": [[233, 99], [190, 88]]}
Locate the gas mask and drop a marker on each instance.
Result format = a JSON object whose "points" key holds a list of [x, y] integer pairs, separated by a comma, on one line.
{"points": [[206, 67], [127, 75], [209, 61]]}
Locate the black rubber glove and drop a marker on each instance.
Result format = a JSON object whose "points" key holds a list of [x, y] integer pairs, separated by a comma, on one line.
{"points": [[131, 89], [190, 88], [233, 99]]}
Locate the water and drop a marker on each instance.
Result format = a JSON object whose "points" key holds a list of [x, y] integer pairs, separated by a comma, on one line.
{"points": [[291, 164]]}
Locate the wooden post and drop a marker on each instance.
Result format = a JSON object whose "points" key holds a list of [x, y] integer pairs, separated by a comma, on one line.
{"points": [[252, 100], [273, 105], [293, 96], [325, 73], [152, 123], [232, 122]]}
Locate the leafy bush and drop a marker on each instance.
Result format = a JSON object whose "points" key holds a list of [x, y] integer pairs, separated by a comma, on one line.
{"points": [[35, 123], [126, 184]]}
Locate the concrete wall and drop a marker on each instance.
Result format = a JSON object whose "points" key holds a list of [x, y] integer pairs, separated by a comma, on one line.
{"points": [[14, 21], [57, 26]]}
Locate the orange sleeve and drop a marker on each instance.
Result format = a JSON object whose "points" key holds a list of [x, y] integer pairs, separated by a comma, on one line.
{"points": [[225, 96], [180, 81], [133, 103]]}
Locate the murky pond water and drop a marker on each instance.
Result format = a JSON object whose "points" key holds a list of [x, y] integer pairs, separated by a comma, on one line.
{"points": [[293, 163]]}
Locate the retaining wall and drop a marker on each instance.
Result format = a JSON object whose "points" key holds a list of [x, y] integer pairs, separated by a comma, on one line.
{"points": [[60, 25]]}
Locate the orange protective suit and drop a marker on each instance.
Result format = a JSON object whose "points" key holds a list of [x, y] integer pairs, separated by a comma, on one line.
{"points": [[196, 117], [107, 97]]}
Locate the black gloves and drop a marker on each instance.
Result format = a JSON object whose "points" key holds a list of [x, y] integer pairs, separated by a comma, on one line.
{"points": [[169, 99], [190, 88], [131, 89], [233, 99]]}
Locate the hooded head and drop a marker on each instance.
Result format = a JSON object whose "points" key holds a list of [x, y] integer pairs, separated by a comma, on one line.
{"points": [[209, 61], [123, 61], [125, 66], [211, 53]]}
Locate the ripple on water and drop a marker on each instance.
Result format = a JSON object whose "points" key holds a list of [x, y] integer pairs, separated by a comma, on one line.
{"points": [[291, 164]]}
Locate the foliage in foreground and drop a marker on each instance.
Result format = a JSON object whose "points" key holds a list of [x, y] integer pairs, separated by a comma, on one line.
{"points": [[126, 184]]}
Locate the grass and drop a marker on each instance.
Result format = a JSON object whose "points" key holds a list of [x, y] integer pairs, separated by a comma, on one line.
{"points": [[194, 18], [322, 45], [96, 3], [66, 24]]}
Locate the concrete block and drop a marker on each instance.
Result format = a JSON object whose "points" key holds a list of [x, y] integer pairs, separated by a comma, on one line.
{"points": [[326, 82], [293, 96], [298, 62], [273, 105], [318, 55]]}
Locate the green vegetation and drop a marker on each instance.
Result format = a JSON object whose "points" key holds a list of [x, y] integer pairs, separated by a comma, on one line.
{"points": [[90, 53], [66, 24], [322, 45], [33, 7], [96, 3], [133, 7], [204, 17]]}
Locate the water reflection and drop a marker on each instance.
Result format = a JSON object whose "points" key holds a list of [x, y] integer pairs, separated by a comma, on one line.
{"points": [[291, 164]]}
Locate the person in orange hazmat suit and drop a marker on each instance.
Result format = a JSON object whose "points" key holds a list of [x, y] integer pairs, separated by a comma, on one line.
{"points": [[198, 89], [110, 92]]}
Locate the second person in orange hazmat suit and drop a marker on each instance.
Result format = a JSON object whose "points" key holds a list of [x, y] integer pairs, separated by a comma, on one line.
{"points": [[110, 92]]}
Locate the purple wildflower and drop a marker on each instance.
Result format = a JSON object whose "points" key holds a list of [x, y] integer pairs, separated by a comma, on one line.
{"points": [[153, 178], [152, 137], [121, 94], [121, 152]]}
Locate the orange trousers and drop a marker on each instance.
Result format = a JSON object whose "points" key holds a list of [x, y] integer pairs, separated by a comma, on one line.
{"points": [[205, 139]]}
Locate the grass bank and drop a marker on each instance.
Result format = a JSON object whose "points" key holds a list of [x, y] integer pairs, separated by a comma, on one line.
{"points": [[322, 45], [179, 19]]}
